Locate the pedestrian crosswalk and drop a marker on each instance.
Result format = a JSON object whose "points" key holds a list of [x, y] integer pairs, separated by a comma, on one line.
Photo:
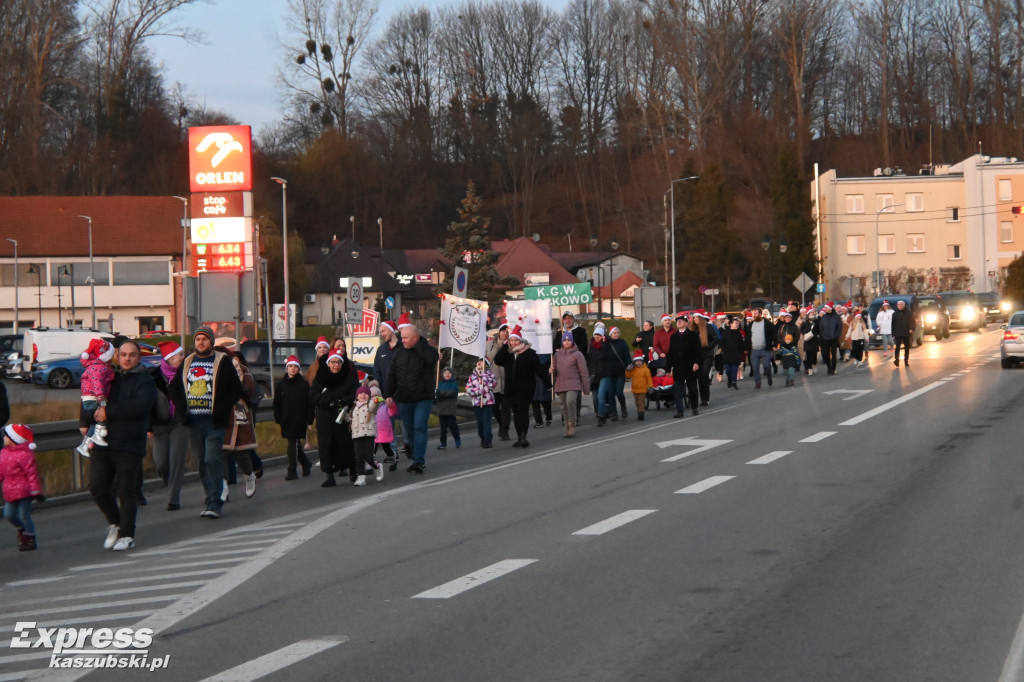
{"points": [[121, 594]]}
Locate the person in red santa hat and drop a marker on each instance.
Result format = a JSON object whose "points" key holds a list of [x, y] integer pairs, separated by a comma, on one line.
{"points": [[522, 366], [20, 482], [96, 379]]}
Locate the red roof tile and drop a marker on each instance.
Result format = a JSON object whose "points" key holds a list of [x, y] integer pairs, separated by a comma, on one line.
{"points": [[619, 285], [121, 226], [523, 255]]}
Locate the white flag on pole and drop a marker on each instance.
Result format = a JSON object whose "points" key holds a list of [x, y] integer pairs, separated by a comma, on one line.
{"points": [[463, 325], [535, 319]]}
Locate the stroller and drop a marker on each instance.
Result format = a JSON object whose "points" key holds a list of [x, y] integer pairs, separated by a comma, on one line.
{"points": [[662, 391]]}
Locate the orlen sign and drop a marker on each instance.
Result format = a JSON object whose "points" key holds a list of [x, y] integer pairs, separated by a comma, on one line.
{"points": [[220, 158]]}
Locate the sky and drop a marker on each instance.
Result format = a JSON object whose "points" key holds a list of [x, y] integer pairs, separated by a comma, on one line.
{"points": [[235, 71]]}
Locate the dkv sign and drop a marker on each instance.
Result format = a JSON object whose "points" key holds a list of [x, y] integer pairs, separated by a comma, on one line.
{"points": [[561, 294]]}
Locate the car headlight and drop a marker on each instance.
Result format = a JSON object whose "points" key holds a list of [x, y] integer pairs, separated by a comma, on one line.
{"points": [[1005, 306], [931, 318], [969, 313], [42, 368]]}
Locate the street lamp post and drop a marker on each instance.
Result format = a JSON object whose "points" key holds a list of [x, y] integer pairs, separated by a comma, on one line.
{"points": [[38, 270], [355, 251], [92, 274], [15, 242], [672, 189], [63, 270], [878, 275], [184, 270], [783, 246], [766, 244], [611, 278], [380, 224], [284, 242]]}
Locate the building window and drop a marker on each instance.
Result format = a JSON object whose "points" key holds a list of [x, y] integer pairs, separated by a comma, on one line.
{"points": [[915, 202], [952, 252], [77, 273], [915, 243], [954, 214], [854, 203], [855, 244], [140, 273], [886, 243], [26, 274], [1005, 190], [1005, 231], [885, 201]]}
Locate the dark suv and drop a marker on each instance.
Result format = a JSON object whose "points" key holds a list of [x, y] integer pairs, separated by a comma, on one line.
{"points": [[992, 306], [256, 355], [964, 310], [934, 316]]}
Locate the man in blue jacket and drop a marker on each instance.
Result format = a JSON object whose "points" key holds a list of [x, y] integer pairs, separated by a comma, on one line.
{"points": [[830, 328]]}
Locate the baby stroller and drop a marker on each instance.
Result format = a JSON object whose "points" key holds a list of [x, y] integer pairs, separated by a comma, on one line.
{"points": [[662, 391]]}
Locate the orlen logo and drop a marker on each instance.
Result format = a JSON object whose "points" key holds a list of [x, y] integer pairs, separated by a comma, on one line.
{"points": [[220, 158]]}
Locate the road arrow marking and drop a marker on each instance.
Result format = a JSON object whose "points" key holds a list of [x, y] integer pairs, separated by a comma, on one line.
{"points": [[856, 392], [700, 445]]}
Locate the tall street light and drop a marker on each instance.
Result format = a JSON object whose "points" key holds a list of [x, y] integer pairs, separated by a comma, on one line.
{"points": [[672, 189], [38, 270], [611, 277], [92, 274], [284, 241], [15, 242], [380, 224], [184, 271], [878, 274], [355, 251]]}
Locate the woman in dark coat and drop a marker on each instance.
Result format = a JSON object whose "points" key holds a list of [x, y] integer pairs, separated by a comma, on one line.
{"points": [[684, 356], [334, 389], [644, 341], [522, 369], [708, 343], [293, 412], [732, 350]]}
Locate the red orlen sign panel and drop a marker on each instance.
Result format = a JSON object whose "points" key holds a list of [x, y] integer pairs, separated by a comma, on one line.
{"points": [[220, 158]]}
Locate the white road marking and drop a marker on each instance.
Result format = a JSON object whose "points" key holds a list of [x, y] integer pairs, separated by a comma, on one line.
{"points": [[108, 593], [853, 393], [820, 436], [28, 615], [1013, 667], [37, 581], [93, 567], [614, 522], [700, 446], [891, 404], [468, 582], [107, 618], [706, 484], [770, 457], [276, 660], [184, 574]]}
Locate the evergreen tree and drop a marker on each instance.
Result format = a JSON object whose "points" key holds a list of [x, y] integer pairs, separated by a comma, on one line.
{"points": [[791, 218], [469, 245]]}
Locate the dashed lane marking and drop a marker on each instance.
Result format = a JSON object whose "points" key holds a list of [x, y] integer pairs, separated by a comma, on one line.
{"points": [[706, 484], [770, 457], [614, 522], [820, 436], [276, 660], [468, 582]]}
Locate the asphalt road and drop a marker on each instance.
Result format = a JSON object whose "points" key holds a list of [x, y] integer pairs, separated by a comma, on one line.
{"points": [[866, 526]]}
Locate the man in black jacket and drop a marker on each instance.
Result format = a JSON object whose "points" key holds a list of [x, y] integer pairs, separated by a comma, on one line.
{"points": [[410, 383], [204, 391], [127, 415], [830, 328], [903, 325]]}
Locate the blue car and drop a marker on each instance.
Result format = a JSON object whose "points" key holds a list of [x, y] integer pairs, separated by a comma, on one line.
{"points": [[67, 372]]}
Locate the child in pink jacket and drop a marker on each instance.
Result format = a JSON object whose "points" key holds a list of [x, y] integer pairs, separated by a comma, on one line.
{"points": [[20, 482], [96, 379], [385, 426]]}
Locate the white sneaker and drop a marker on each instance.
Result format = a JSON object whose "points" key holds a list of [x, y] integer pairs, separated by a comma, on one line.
{"points": [[123, 544], [111, 537], [224, 491], [98, 439], [83, 448], [250, 485], [361, 480], [379, 474]]}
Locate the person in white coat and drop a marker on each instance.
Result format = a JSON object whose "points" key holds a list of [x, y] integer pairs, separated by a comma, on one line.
{"points": [[883, 323]]}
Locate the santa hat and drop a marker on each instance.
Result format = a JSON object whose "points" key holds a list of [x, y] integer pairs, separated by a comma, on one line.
{"points": [[292, 360], [503, 325], [613, 330], [785, 312], [638, 355], [702, 313], [721, 316], [98, 350], [849, 304], [322, 340], [885, 303], [666, 316], [20, 434], [827, 307], [404, 321], [390, 325], [336, 353], [168, 349], [516, 333]]}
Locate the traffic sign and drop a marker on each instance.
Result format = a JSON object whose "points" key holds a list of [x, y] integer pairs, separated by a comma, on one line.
{"points": [[821, 288], [354, 300], [389, 302], [702, 289], [461, 283], [803, 282]]}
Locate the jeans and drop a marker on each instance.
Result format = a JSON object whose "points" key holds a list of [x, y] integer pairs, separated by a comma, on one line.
{"points": [[19, 515], [116, 467], [886, 342], [759, 359], [730, 373], [208, 448], [483, 423], [605, 392], [170, 447], [414, 423]]}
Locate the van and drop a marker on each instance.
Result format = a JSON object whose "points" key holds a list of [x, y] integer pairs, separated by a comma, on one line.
{"points": [[917, 338], [42, 344]]}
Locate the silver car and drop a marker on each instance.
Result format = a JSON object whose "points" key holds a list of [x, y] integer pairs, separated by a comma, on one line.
{"points": [[1011, 345]]}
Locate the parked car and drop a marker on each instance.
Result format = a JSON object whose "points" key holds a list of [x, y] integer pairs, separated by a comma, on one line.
{"points": [[42, 344], [10, 354], [875, 341], [67, 372], [964, 310], [1011, 345], [934, 316], [993, 307]]}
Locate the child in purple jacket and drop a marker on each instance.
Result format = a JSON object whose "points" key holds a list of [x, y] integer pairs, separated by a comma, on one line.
{"points": [[96, 379]]}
